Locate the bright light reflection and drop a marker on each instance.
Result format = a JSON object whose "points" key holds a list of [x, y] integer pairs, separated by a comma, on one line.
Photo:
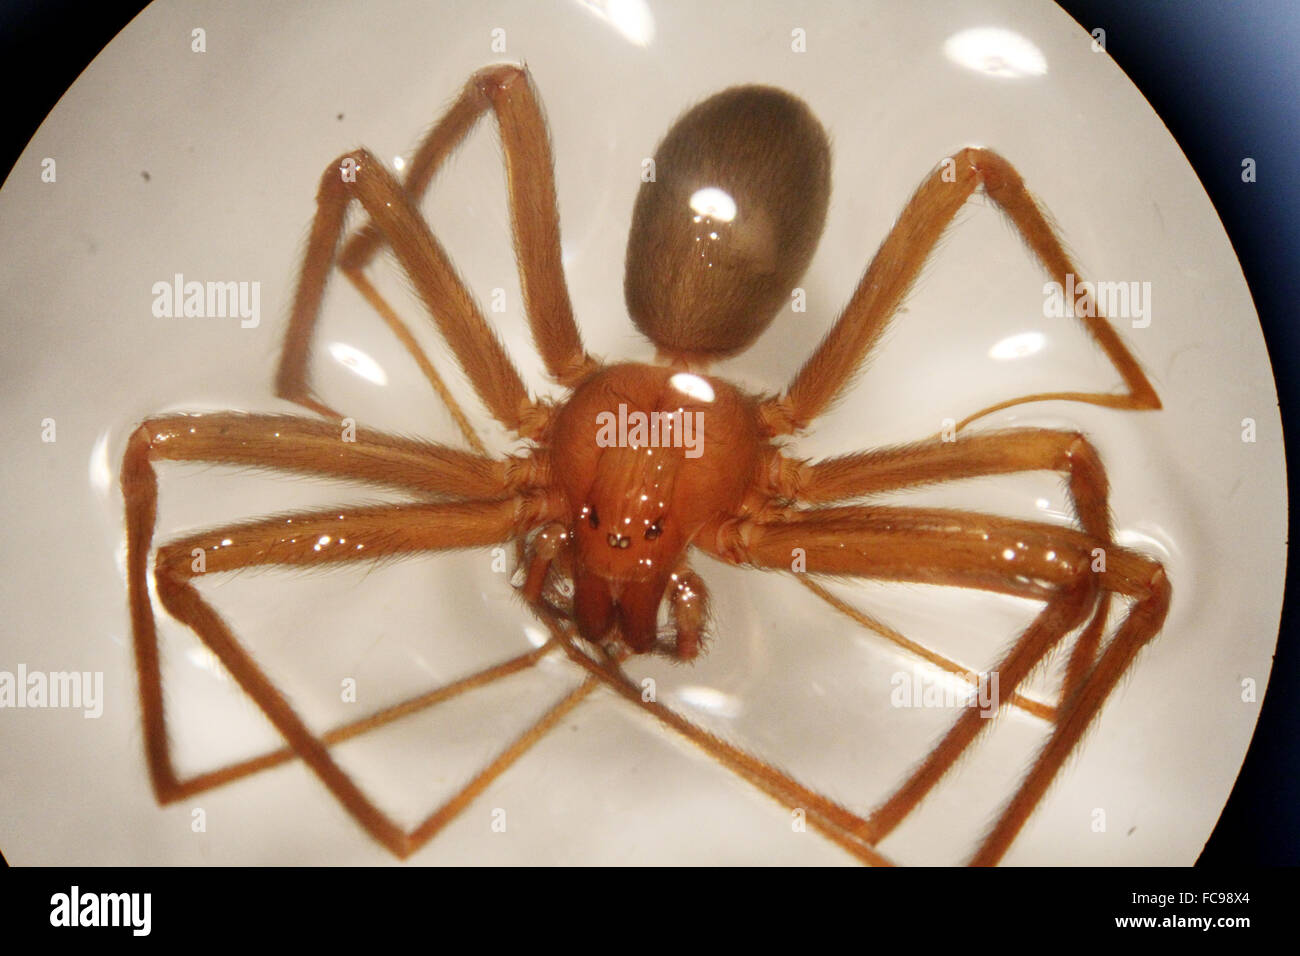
{"points": [[692, 385], [358, 362], [710, 700], [1158, 544], [631, 18], [101, 476], [715, 203], [1018, 346], [996, 52], [398, 163], [205, 660]]}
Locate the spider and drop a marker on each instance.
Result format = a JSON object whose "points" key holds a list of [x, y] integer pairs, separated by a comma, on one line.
{"points": [[638, 464]]}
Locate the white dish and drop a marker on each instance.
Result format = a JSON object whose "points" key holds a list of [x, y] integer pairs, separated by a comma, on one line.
{"points": [[233, 141]]}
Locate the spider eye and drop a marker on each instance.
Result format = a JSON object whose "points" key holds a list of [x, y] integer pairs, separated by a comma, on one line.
{"points": [[655, 530], [593, 517]]}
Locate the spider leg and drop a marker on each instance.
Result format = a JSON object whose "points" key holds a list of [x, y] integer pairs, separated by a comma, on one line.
{"points": [[181, 789], [507, 90], [359, 175], [312, 538], [1152, 591], [351, 535], [423, 833], [689, 613], [970, 456], [403, 334], [1029, 705], [314, 447], [827, 817], [971, 550], [896, 266]]}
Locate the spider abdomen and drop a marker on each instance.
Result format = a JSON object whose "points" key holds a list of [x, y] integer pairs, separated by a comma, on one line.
{"points": [[729, 223]]}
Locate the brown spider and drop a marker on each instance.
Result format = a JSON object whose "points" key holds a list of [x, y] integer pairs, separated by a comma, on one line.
{"points": [[641, 462]]}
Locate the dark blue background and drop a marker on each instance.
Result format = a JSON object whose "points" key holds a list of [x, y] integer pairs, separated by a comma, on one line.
{"points": [[1225, 78]]}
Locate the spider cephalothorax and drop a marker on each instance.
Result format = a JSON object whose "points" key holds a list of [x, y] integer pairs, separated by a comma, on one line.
{"points": [[641, 447], [639, 466]]}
